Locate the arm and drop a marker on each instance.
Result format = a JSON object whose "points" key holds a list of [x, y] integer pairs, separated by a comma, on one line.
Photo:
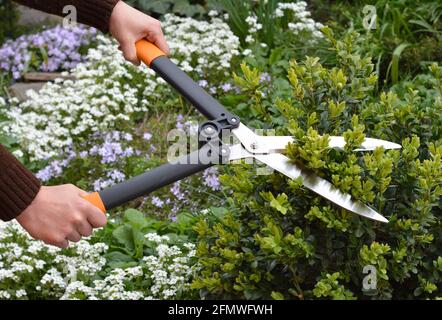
{"points": [[54, 215], [58, 214], [95, 13], [18, 186]]}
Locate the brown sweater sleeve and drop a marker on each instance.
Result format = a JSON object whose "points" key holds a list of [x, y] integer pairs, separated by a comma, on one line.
{"points": [[95, 13], [18, 186]]}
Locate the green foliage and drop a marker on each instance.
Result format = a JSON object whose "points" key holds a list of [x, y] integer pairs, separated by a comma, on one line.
{"points": [[189, 8], [408, 33], [329, 287], [8, 20], [280, 241], [127, 241]]}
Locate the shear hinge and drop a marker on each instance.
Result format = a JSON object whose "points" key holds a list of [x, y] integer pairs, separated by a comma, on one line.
{"points": [[211, 135]]}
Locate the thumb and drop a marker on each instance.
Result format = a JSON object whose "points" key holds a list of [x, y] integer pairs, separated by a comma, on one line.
{"points": [[95, 217], [130, 52]]}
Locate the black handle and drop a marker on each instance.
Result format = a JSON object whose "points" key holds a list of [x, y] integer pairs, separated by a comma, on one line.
{"points": [[150, 181], [185, 85]]}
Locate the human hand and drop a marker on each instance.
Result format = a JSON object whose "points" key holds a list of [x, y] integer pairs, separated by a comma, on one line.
{"points": [[59, 214], [129, 25]]}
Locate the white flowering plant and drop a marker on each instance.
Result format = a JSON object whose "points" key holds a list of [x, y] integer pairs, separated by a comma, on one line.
{"points": [[272, 23], [96, 269], [110, 93]]}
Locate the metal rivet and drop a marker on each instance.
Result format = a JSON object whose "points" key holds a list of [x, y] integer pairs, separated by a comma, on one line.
{"points": [[209, 129], [234, 120], [254, 146]]}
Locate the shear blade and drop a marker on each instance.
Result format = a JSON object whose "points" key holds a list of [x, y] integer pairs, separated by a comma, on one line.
{"points": [[369, 144], [267, 144], [319, 185]]}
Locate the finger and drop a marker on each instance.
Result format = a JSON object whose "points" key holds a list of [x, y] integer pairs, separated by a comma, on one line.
{"points": [[130, 52], [85, 229], [61, 244], [74, 236], [94, 216], [82, 193], [159, 40], [97, 220]]}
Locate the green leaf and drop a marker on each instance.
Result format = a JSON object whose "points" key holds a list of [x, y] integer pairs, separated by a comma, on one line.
{"points": [[277, 295], [117, 256], [395, 61], [123, 234], [135, 218]]}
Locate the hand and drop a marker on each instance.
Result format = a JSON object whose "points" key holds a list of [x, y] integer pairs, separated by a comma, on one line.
{"points": [[129, 25], [59, 215]]}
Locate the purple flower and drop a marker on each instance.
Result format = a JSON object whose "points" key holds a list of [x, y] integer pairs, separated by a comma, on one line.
{"points": [[44, 174], [176, 191], [226, 87], [203, 83], [211, 180], [265, 77], [53, 170], [128, 152], [60, 44], [127, 137], [117, 176], [110, 152], [83, 154], [179, 118], [147, 136], [157, 202]]}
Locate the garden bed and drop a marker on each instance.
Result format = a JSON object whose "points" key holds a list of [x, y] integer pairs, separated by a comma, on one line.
{"points": [[231, 232]]}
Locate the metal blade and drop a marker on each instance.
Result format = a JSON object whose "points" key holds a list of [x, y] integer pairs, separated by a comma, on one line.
{"points": [[369, 144], [279, 143], [266, 144], [318, 185]]}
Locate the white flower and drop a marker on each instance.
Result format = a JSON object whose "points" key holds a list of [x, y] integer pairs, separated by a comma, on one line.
{"points": [[105, 93], [247, 52], [20, 293], [18, 153]]}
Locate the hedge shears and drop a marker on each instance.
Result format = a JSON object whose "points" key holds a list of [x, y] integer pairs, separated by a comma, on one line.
{"points": [[213, 151]]}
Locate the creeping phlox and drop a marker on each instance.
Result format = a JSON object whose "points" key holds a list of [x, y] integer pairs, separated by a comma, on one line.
{"points": [[108, 91], [30, 269], [51, 50]]}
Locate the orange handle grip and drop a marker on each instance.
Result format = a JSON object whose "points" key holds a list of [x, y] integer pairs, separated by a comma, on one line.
{"points": [[95, 199], [148, 52]]}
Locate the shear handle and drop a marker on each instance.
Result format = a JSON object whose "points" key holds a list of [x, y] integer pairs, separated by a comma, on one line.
{"points": [[169, 71], [146, 183]]}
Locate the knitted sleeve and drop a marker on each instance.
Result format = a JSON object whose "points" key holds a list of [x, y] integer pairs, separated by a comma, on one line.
{"points": [[18, 186], [95, 13]]}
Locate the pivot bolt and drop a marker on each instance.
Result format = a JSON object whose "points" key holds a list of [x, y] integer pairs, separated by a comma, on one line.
{"points": [[209, 130], [254, 146]]}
